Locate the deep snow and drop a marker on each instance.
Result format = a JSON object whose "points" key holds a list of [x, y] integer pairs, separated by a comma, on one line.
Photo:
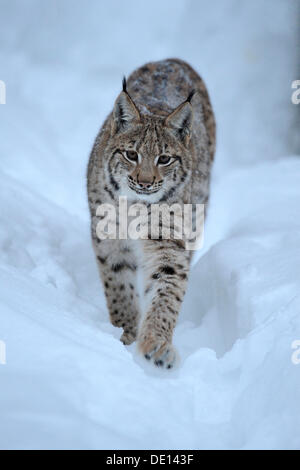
{"points": [[68, 381]]}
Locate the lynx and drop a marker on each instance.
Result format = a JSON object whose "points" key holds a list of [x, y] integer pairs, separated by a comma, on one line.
{"points": [[156, 146]]}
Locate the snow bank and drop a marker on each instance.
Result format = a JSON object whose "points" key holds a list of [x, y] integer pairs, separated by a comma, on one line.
{"points": [[68, 381]]}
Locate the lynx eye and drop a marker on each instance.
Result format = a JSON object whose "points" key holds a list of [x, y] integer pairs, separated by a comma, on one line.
{"points": [[164, 160], [131, 155]]}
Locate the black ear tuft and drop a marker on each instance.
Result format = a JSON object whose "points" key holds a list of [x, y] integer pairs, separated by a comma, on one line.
{"points": [[124, 84], [191, 95], [125, 113], [180, 121]]}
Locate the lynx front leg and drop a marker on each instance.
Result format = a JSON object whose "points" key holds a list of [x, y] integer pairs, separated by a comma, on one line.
{"points": [[118, 267], [166, 269]]}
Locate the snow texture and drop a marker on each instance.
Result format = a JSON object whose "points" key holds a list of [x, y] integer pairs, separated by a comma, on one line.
{"points": [[68, 382]]}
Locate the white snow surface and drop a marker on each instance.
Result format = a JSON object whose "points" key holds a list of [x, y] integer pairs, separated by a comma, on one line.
{"points": [[68, 381]]}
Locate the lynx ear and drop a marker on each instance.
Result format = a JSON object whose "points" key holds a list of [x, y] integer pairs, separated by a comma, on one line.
{"points": [[125, 112], [181, 120]]}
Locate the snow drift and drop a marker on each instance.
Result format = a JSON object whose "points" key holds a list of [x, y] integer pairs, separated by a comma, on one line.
{"points": [[69, 382]]}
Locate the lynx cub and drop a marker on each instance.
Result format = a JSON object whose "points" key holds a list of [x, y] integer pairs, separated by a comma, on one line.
{"points": [[156, 146]]}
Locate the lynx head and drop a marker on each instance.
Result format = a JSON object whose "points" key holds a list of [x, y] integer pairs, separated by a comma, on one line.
{"points": [[148, 156]]}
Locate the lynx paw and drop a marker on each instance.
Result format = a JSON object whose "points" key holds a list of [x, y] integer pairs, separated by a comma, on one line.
{"points": [[161, 352], [128, 337]]}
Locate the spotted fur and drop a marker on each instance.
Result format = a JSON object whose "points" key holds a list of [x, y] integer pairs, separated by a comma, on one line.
{"points": [[163, 114]]}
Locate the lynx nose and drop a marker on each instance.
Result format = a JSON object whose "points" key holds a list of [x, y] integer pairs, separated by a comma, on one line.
{"points": [[144, 184], [141, 183]]}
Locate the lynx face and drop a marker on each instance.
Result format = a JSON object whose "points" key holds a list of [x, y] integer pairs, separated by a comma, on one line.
{"points": [[148, 156]]}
